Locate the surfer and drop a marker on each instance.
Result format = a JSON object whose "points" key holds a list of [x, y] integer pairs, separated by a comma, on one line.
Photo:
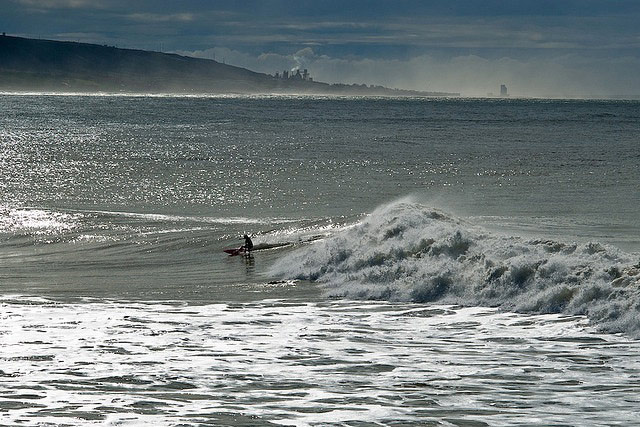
{"points": [[248, 244]]}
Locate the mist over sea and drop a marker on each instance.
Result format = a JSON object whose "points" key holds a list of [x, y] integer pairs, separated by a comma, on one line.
{"points": [[418, 261]]}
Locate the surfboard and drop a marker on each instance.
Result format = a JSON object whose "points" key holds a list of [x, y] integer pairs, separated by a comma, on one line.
{"points": [[258, 247], [234, 251]]}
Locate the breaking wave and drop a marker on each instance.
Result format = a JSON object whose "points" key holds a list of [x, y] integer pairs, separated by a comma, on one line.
{"points": [[406, 251]]}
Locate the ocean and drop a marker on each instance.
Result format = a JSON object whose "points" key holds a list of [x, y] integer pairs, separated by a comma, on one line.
{"points": [[445, 262]]}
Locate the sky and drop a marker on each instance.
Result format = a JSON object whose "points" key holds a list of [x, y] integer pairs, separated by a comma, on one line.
{"points": [[539, 48]]}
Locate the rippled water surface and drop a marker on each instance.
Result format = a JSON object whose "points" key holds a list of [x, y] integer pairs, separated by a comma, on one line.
{"points": [[289, 362], [417, 261]]}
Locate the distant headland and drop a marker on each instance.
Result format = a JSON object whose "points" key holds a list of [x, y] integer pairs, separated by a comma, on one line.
{"points": [[33, 65]]}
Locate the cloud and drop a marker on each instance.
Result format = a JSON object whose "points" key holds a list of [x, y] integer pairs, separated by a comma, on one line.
{"points": [[264, 63], [357, 27], [157, 17], [535, 47], [555, 75], [62, 4], [568, 75]]}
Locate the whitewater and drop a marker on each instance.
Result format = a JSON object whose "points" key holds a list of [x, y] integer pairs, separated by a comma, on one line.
{"points": [[406, 251], [418, 261]]}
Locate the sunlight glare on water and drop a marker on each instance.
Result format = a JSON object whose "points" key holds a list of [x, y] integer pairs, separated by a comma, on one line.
{"points": [[298, 363], [382, 231]]}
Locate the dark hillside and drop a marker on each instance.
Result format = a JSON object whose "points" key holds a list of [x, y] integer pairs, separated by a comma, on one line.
{"points": [[47, 65], [68, 65]]}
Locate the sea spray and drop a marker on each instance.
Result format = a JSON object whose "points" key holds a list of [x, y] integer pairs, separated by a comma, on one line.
{"points": [[405, 251]]}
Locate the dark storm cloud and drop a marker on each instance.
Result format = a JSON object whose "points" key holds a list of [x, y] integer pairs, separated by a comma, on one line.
{"points": [[346, 37], [278, 24]]}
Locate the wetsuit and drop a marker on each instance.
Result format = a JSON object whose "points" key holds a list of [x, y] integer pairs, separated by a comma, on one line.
{"points": [[248, 244]]}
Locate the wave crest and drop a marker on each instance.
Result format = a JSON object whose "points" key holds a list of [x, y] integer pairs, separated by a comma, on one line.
{"points": [[406, 251]]}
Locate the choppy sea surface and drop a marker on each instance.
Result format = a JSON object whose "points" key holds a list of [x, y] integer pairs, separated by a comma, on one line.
{"points": [[418, 261]]}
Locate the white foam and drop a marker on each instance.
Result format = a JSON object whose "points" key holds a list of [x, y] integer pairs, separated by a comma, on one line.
{"points": [[295, 363], [406, 251]]}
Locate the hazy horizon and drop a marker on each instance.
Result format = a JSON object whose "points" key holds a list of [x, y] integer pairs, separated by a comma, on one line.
{"points": [[544, 49], [566, 76]]}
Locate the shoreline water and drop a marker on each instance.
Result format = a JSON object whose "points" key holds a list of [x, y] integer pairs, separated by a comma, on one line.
{"points": [[292, 362]]}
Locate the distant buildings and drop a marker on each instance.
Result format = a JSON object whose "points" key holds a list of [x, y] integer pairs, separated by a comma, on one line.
{"points": [[291, 76], [503, 93]]}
